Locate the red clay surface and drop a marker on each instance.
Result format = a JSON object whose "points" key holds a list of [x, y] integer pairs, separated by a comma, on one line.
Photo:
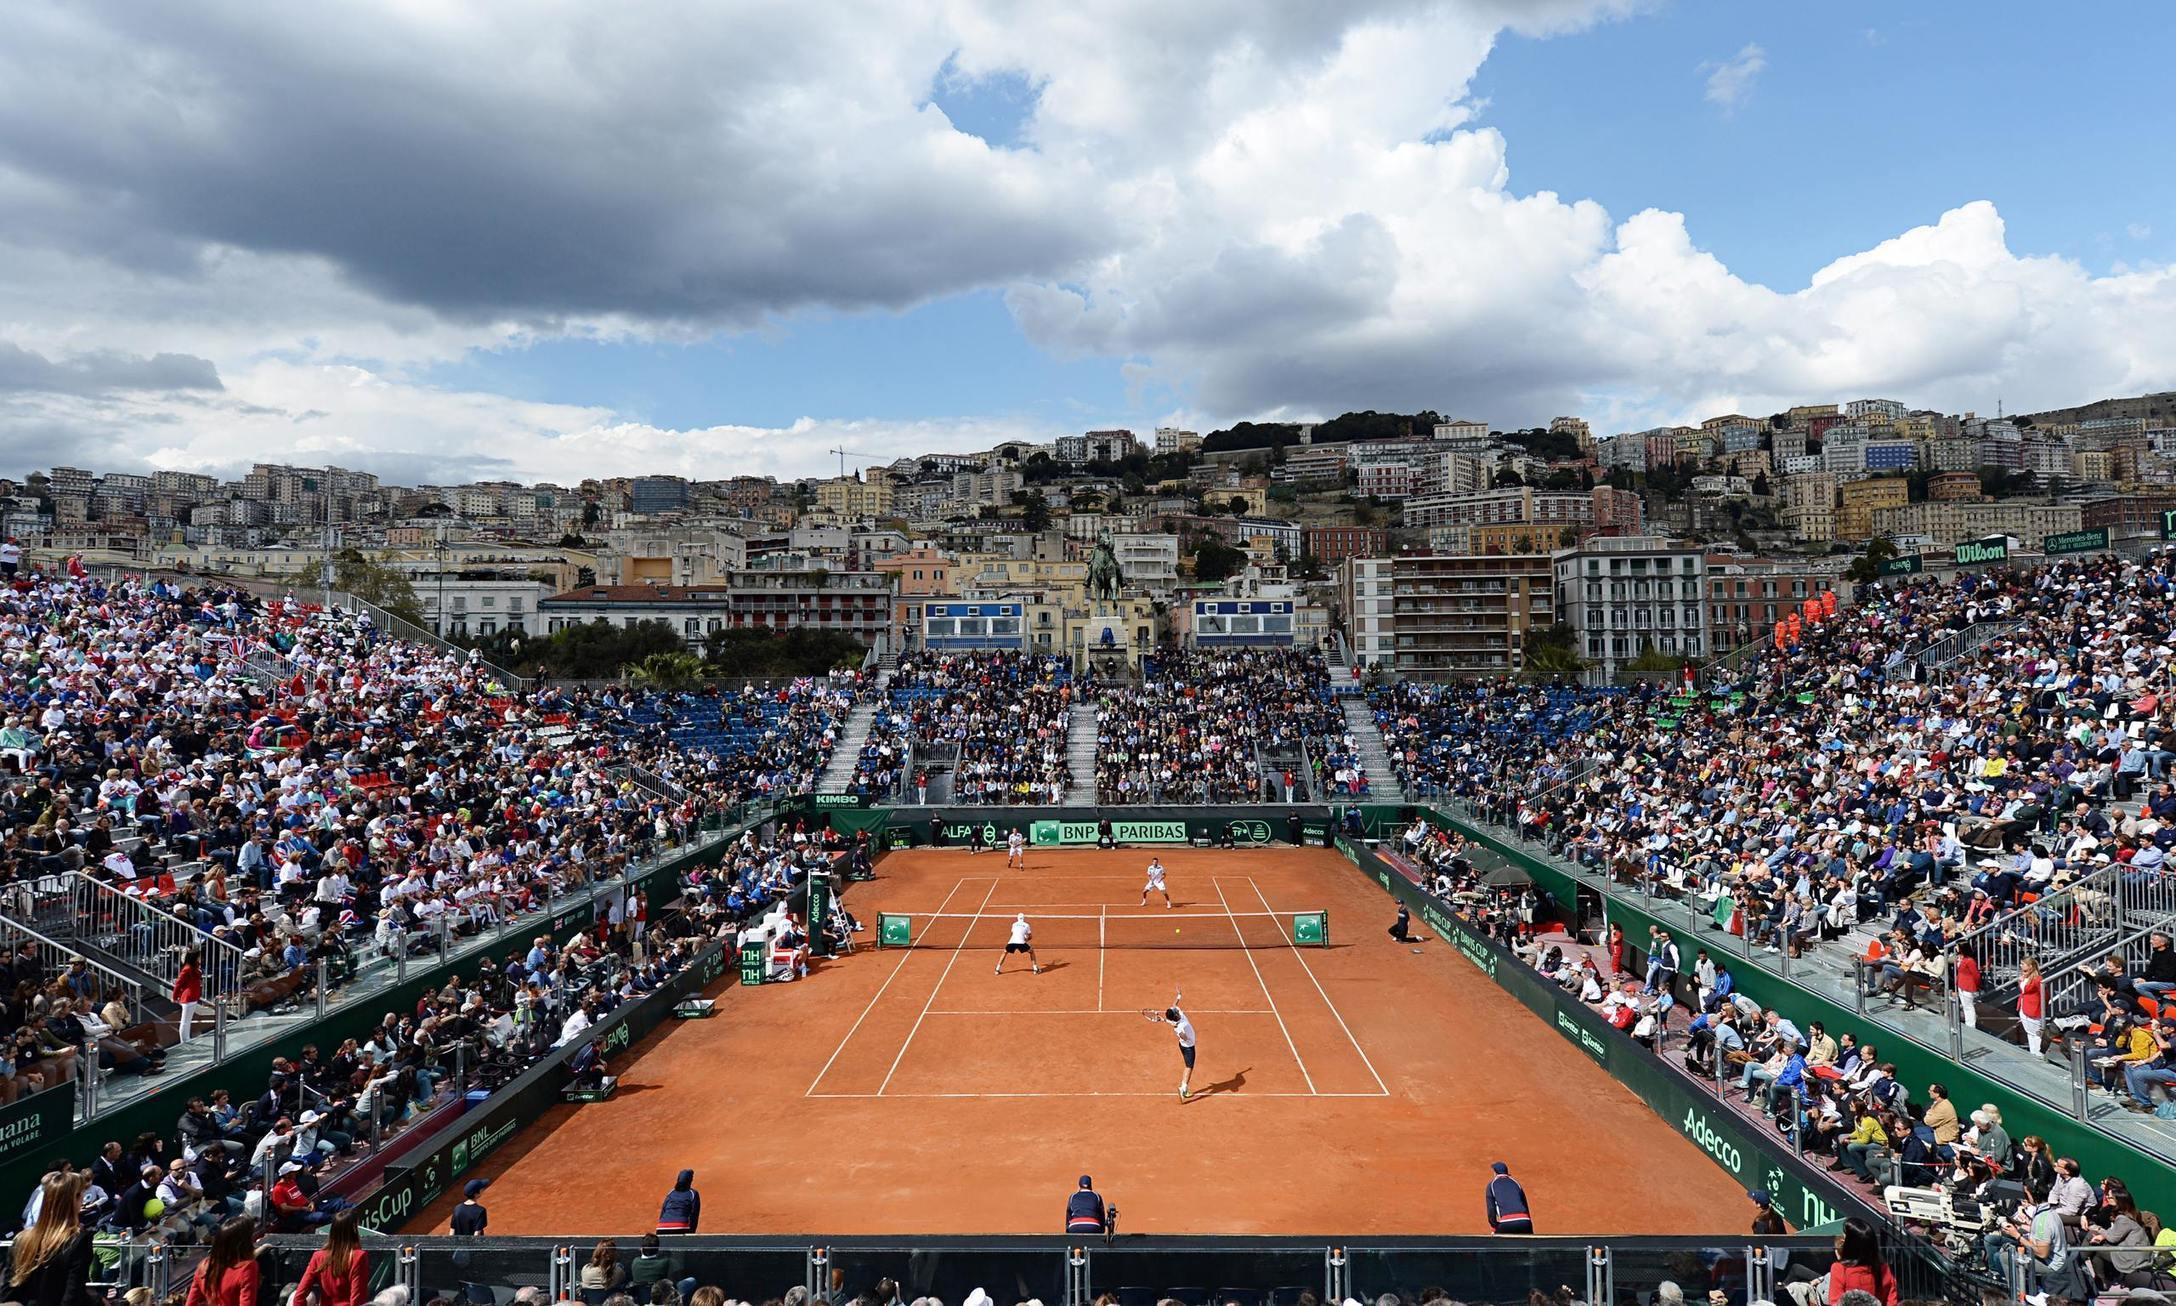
{"points": [[1358, 1089]]}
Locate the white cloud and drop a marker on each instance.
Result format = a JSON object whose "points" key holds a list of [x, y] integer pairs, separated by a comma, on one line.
{"points": [[1730, 83], [1267, 210], [2138, 231]]}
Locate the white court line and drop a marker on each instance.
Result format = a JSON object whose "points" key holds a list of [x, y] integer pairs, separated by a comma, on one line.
{"points": [[873, 999], [950, 962], [901, 1097], [1248, 953], [1083, 1011], [1325, 994], [1102, 951]]}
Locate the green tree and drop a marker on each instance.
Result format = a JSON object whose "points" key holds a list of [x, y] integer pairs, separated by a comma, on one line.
{"points": [[1034, 509], [1866, 568], [748, 652], [668, 672], [1654, 662], [597, 650], [1216, 560], [372, 580], [1552, 653]]}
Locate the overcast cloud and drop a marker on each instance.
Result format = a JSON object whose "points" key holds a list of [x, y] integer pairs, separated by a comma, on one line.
{"points": [[231, 232]]}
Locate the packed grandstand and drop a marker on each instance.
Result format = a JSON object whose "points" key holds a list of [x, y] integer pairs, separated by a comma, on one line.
{"points": [[1948, 801]]}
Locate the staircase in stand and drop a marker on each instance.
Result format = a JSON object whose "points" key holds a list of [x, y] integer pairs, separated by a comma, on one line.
{"points": [[1374, 753], [846, 754], [1080, 755]]}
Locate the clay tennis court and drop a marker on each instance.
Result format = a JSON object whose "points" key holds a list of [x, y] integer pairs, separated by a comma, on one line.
{"points": [[1357, 1088]]}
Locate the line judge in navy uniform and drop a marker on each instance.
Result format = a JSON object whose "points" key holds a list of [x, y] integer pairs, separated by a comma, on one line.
{"points": [[1084, 1210], [1507, 1211]]}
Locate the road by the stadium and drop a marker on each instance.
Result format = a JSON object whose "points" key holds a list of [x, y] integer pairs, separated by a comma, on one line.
{"points": [[1361, 1088]]}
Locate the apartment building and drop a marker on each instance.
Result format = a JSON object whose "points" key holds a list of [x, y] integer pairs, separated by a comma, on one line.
{"points": [[1858, 501], [1623, 595], [1748, 596], [1468, 615], [1954, 522]]}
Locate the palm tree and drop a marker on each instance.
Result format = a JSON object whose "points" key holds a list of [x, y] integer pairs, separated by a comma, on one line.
{"points": [[668, 672]]}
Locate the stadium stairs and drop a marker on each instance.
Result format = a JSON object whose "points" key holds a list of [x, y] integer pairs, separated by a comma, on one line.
{"points": [[1080, 754], [1383, 784], [846, 754]]}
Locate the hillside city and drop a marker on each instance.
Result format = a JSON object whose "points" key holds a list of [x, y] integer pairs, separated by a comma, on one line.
{"points": [[1425, 546]]}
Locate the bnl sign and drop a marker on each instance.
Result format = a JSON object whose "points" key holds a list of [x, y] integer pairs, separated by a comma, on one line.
{"points": [[1224, 622], [972, 626]]}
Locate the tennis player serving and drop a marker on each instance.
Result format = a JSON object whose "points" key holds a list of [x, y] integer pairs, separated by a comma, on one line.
{"points": [[1017, 941], [1175, 1016]]}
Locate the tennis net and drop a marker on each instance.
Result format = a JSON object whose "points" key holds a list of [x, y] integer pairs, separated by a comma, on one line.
{"points": [[1132, 929]]}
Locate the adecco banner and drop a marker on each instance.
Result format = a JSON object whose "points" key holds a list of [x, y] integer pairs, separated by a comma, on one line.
{"points": [[441, 1160], [1752, 1158]]}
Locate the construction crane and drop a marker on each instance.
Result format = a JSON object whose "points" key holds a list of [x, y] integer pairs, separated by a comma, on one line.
{"points": [[842, 453]]}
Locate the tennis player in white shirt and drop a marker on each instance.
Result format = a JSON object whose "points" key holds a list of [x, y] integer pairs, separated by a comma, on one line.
{"points": [[1155, 883], [1018, 941]]}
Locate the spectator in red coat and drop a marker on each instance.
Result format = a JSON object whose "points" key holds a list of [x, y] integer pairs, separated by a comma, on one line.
{"points": [[188, 991], [1859, 1265], [227, 1276], [338, 1272]]}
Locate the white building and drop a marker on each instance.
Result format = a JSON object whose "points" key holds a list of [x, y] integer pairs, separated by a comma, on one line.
{"points": [[1369, 594], [1625, 594]]}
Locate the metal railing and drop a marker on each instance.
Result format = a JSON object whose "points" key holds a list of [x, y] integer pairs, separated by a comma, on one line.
{"points": [[2078, 921], [56, 958], [400, 627], [1132, 1266], [1950, 647], [1683, 902], [84, 911], [361, 972]]}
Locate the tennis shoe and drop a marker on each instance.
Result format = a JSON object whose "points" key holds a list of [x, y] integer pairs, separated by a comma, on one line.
{"points": [[1184, 1095]]}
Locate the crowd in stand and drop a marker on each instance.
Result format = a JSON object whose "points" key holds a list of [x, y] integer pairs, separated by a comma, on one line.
{"points": [[277, 1160], [1836, 1099], [1203, 724], [1482, 737], [998, 719], [299, 789], [1836, 780], [787, 734], [292, 788]]}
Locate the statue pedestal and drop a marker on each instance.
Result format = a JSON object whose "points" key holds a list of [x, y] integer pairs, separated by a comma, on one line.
{"points": [[1111, 651]]}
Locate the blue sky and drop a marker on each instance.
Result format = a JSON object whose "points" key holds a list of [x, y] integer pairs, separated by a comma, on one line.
{"points": [[1867, 120], [1862, 123], [316, 231]]}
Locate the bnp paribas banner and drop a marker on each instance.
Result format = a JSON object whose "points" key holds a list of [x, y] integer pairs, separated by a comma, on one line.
{"points": [[1051, 834]]}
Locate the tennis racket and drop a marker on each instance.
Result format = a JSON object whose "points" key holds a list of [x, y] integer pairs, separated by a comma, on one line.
{"points": [[1156, 1017]]}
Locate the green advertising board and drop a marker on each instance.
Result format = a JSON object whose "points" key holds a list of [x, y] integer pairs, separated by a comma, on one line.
{"points": [[894, 931], [1971, 552], [1908, 565], [2076, 541], [753, 964], [34, 1122], [836, 800], [2168, 524], [1312, 928], [819, 911], [1055, 834]]}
